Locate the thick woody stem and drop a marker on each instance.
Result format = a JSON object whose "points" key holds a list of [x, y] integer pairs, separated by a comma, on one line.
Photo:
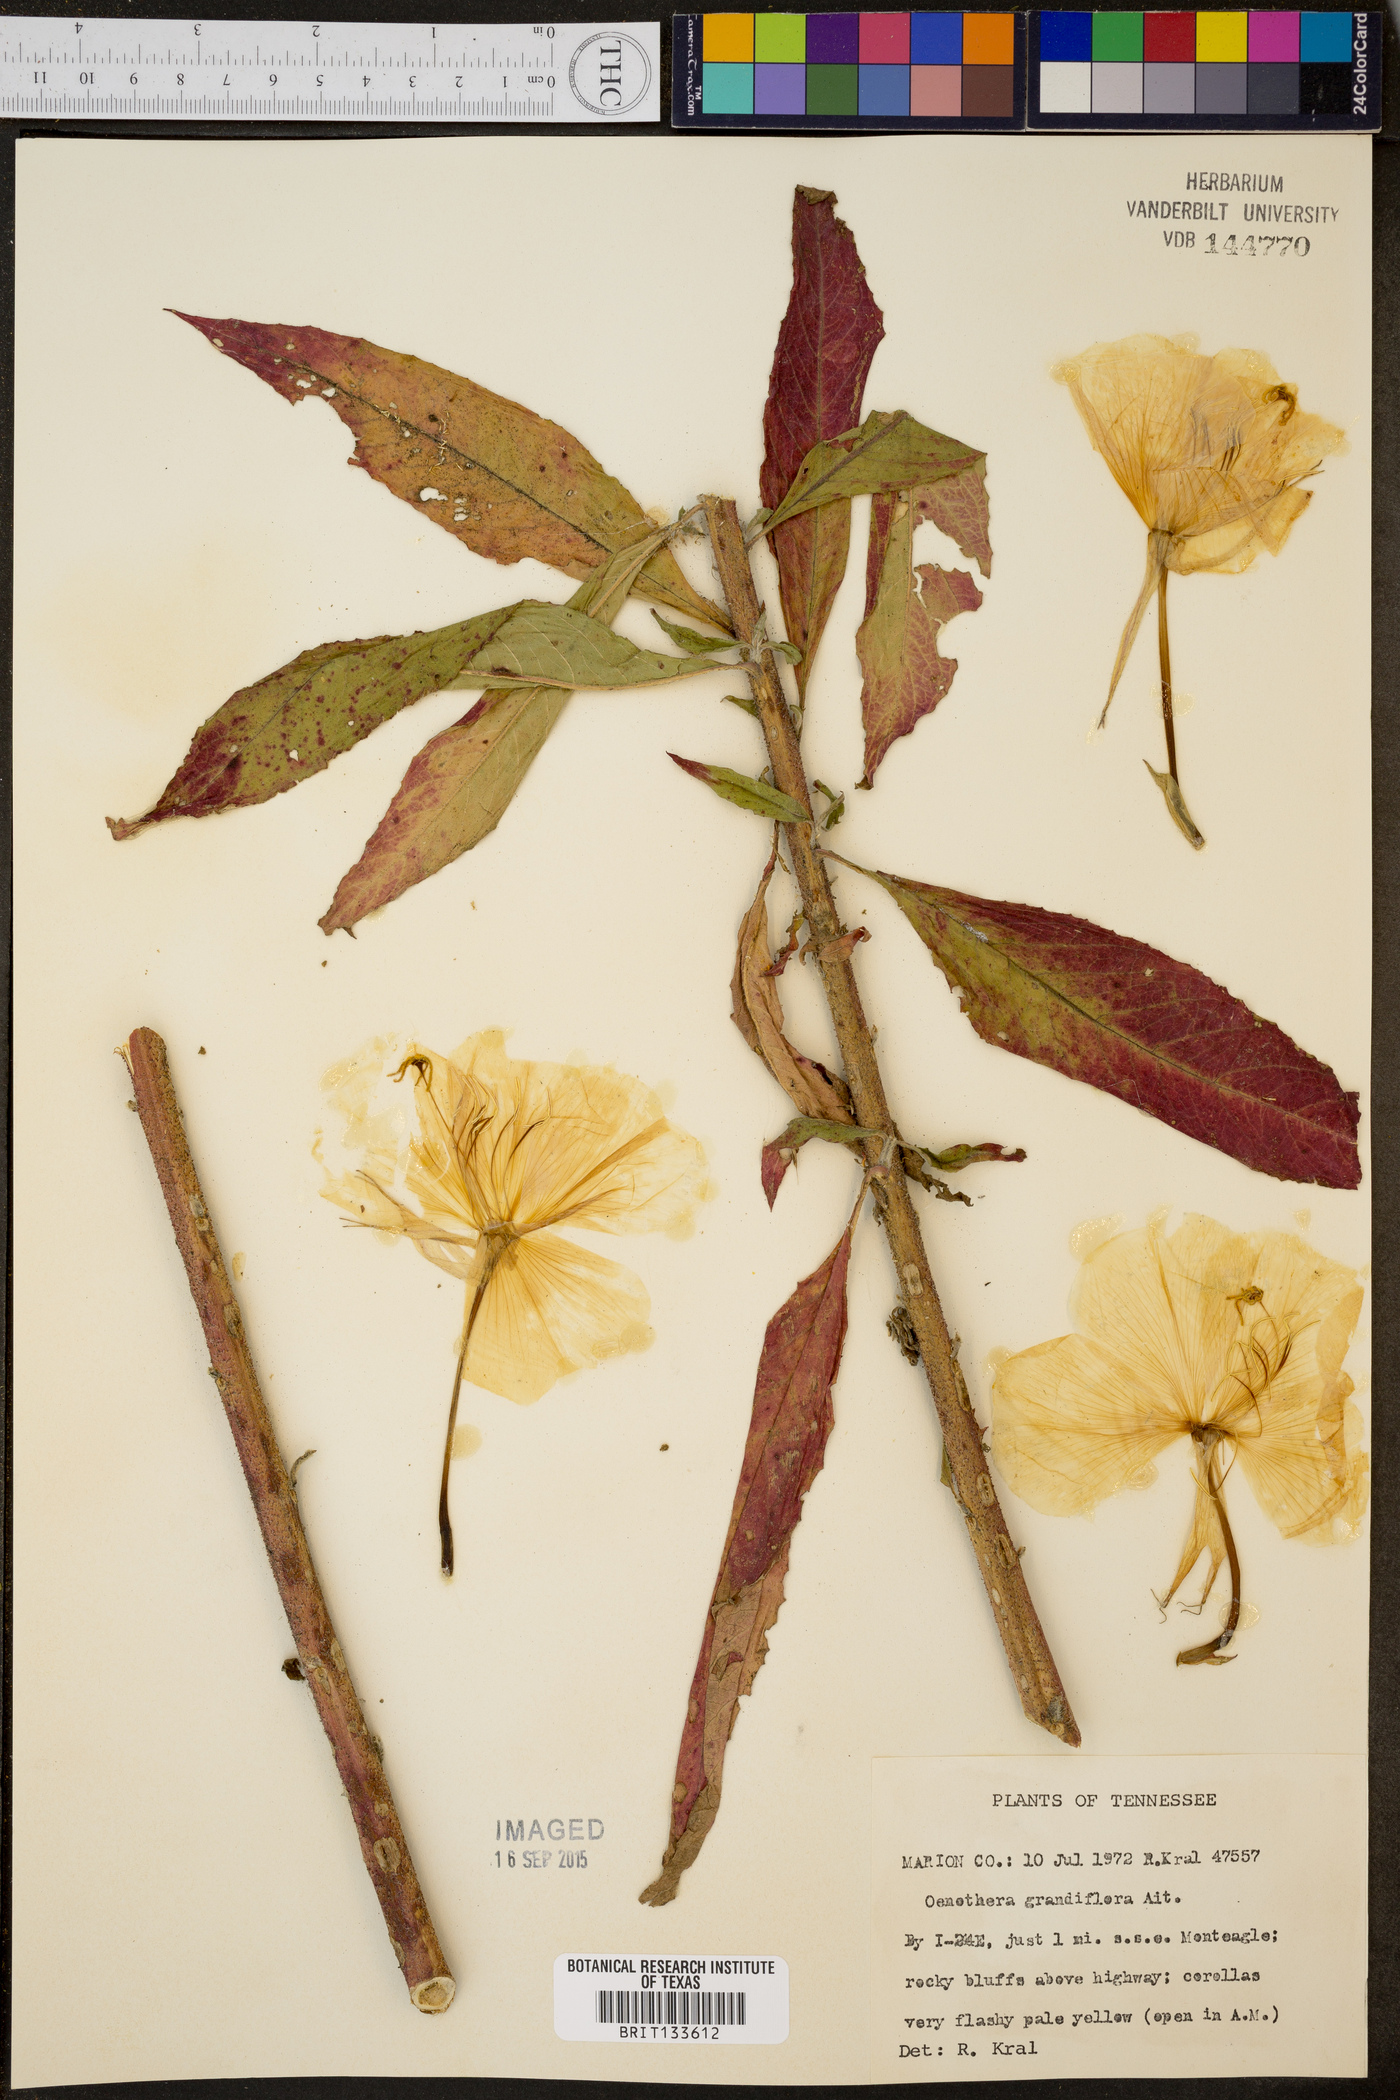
{"points": [[356, 1753], [1033, 1670]]}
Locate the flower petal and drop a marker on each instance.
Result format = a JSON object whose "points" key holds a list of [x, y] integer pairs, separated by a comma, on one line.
{"points": [[581, 1144], [1164, 1307], [1071, 1424], [550, 1308], [1307, 1474]]}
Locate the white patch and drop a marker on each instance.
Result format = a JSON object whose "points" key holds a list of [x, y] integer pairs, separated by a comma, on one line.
{"points": [[431, 496]]}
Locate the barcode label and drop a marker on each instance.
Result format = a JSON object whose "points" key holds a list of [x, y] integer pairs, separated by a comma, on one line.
{"points": [[670, 1998], [672, 2008]]}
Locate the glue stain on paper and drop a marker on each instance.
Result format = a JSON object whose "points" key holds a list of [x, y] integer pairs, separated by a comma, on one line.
{"points": [[466, 1439]]}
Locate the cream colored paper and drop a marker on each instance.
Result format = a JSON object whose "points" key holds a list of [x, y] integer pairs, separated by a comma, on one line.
{"points": [[188, 1897]]}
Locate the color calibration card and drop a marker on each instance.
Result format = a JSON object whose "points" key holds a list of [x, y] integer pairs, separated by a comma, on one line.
{"points": [[862, 72], [1062, 70], [1204, 72]]}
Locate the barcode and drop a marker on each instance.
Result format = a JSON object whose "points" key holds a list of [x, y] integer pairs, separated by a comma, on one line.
{"points": [[671, 2008]]}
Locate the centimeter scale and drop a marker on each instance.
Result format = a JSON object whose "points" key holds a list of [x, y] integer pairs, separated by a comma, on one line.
{"points": [[446, 72]]}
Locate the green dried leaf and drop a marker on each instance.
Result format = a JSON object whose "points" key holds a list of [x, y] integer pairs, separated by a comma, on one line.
{"points": [[746, 793], [555, 645], [693, 644], [461, 783], [959, 1156], [889, 452], [837, 809], [746, 701], [288, 726]]}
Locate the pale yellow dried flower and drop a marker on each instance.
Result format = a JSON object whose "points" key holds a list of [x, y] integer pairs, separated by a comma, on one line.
{"points": [[1233, 1340], [1209, 451], [480, 1163]]}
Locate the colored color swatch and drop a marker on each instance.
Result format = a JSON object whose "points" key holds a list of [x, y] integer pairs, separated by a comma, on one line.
{"points": [[1117, 69], [905, 70], [1268, 66]]}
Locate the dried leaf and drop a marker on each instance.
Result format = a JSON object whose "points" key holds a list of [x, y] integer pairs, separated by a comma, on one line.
{"points": [[1176, 804], [290, 725], [829, 334], [758, 1016], [453, 795], [745, 792], [556, 645], [957, 505], [780, 1152], [692, 643], [1133, 1022], [906, 609], [956, 1157], [458, 787], [890, 452], [508, 483], [791, 1420]]}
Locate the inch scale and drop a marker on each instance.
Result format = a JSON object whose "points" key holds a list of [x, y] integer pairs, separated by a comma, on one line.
{"points": [[386, 72]]}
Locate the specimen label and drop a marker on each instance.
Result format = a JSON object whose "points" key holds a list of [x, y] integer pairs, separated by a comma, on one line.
{"points": [[1119, 1917]]}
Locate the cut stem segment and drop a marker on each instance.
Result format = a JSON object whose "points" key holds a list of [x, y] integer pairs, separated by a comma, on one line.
{"points": [[1037, 1680], [357, 1756]]}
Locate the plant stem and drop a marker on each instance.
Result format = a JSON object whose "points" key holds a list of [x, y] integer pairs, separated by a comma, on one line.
{"points": [[357, 1755], [1165, 661], [496, 1246], [1170, 782], [1212, 1651], [1033, 1670]]}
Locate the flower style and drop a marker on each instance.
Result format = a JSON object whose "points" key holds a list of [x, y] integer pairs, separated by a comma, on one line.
{"points": [[496, 1155], [1209, 451], [1235, 1341]]}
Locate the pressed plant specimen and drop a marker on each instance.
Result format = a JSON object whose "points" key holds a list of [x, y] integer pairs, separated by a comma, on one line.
{"points": [[501, 1155], [1093, 1004], [1210, 452], [1233, 1340]]}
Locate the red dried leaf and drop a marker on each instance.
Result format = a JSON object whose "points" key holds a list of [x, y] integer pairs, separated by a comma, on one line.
{"points": [[957, 505], [791, 1420], [1133, 1022], [830, 332], [495, 475], [906, 609], [758, 1016]]}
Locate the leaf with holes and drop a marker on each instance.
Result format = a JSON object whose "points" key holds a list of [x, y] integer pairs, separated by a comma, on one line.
{"points": [[829, 334], [906, 610], [274, 734], [788, 1429], [506, 482]]}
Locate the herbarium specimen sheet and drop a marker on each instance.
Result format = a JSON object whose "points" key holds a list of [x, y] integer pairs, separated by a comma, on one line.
{"points": [[1046, 423]]}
